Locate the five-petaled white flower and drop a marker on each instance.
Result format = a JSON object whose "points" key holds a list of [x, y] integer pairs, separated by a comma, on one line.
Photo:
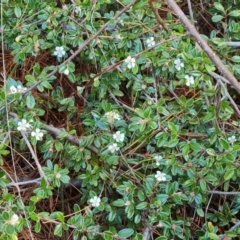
{"points": [[113, 147], [189, 80], [150, 42], [37, 134], [160, 176], [131, 62], [23, 125], [232, 139], [95, 201], [158, 159], [13, 90], [178, 64], [111, 116], [118, 136], [14, 219], [59, 52]]}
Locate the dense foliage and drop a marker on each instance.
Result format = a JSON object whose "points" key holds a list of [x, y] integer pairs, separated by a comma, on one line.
{"points": [[113, 124]]}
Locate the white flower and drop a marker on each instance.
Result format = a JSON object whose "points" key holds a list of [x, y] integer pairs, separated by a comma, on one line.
{"points": [[37, 134], [111, 116], [59, 52], [14, 219], [158, 159], [232, 139], [131, 62], [66, 71], [178, 64], [23, 125], [95, 201], [118, 136], [189, 80], [160, 176], [113, 147], [13, 90], [78, 10], [21, 89], [150, 42]]}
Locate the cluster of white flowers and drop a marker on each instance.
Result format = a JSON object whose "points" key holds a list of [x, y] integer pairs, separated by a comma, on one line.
{"points": [[189, 80], [95, 201], [14, 220], [158, 159], [160, 176], [23, 125], [18, 89], [178, 64], [131, 62], [150, 42], [111, 116], [232, 139], [59, 52]]}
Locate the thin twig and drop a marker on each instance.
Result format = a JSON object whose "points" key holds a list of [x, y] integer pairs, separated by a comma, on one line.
{"points": [[32, 181], [226, 93], [34, 156], [190, 10], [212, 55], [120, 103], [157, 16], [223, 193]]}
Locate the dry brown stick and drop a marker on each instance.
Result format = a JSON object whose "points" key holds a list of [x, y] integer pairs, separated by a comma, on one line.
{"points": [[194, 33], [158, 18]]}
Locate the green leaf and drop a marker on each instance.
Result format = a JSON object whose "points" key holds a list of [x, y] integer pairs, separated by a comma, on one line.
{"points": [[135, 69], [234, 13], [224, 144], [46, 84], [142, 205], [200, 212], [10, 230], [30, 101], [58, 230], [58, 146], [163, 198], [236, 59], [17, 11], [173, 127], [217, 18], [108, 235], [229, 174], [213, 236], [118, 203], [124, 233], [37, 227], [203, 185], [219, 6]]}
